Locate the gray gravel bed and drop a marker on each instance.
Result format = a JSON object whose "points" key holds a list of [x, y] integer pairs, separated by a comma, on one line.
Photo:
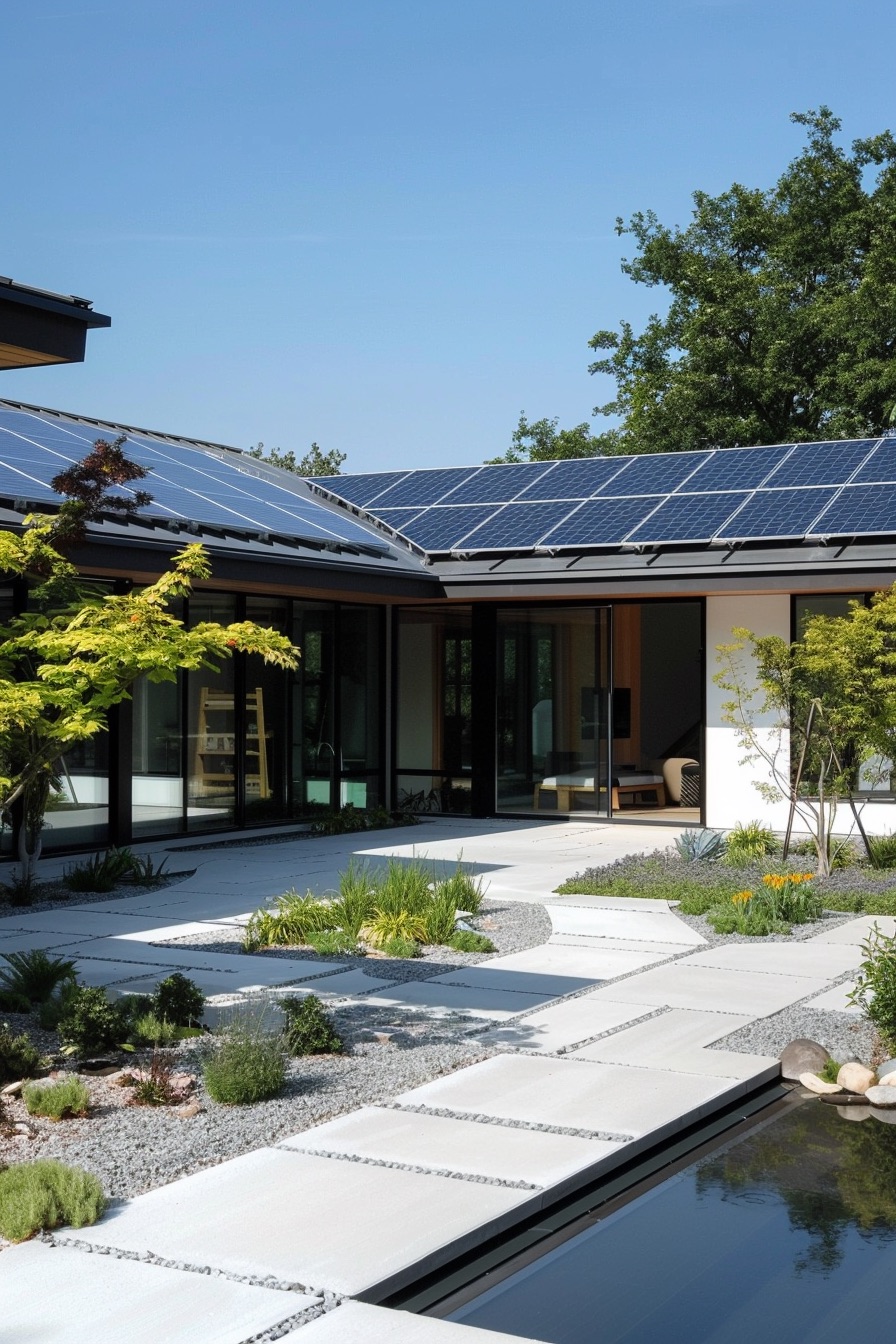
{"points": [[56, 895], [512, 926], [843, 1035], [135, 1148]]}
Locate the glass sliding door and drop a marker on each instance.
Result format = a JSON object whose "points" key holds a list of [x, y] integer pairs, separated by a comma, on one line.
{"points": [[553, 710], [433, 708]]}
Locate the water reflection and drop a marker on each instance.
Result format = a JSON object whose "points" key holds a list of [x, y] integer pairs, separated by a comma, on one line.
{"points": [[789, 1232]]}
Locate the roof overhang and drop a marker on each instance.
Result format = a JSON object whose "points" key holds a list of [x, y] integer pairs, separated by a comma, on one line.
{"points": [[38, 327]]}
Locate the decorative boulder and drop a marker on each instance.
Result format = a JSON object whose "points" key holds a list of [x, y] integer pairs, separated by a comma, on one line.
{"points": [[856, 1078], [884, 1097], [813, 1083], [802, 1056], [887, 1070]]}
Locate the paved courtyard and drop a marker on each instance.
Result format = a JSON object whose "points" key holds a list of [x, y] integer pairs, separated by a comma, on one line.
{"points": [[606, 1034]]}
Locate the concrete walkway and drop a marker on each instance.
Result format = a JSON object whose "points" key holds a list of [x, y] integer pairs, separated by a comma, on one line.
{"points": [[606, 1034]]}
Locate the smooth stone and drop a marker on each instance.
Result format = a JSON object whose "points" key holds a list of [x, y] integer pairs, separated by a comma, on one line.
{"points": [[843, 1099], [854, 1112], [885, 1116], [887, 1070], [12, 1089], [802, 1056], [888, 1080], [884, 1097], [812, 1083], [856, 1078]]}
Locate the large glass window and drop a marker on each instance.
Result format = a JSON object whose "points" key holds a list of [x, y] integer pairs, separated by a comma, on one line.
{"points": [[214, 729], [359, 699], [434, 762], [265, 774]]}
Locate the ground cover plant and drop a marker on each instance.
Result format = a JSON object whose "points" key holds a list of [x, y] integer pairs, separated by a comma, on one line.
{"points": [[394, 909], [309, 1029], [59, 1100], [45, 1194], [697, 887], [244, 1064]]}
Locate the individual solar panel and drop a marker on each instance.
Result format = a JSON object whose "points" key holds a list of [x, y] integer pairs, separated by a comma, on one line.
{"points": [[578, 479], [683, 518], [735, 469], [860, 510], [443, 527], [397, 518], [359, 489], [820, 464], [516, 526], [879, 466], [652, 474], [602, 522], [423, 488], [773, 514], [498, 484]]}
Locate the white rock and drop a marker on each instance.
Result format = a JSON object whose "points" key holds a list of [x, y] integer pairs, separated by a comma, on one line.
{"points": [[887, 1069], [884, 1097], [813, 1083], [854, 1077], [888, 1080]]}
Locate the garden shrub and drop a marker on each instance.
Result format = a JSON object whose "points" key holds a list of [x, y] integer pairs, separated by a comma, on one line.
{"points": [[244, 1065], [11, 1002], [389, 925], [19, 1058], [103, 872], [45, 1194], [464, 889], [875, 987], [21, 891], [465, 940], [148, 1029], [883, 850], [309, 1029], [333, 943], [439, 917], [56, 1100], [403, 948], [178, 1000], [34, 975], [89, 1022]]}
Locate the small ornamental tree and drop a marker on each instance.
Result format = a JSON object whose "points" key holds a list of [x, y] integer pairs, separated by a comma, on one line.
{"points": [[828, 701], [78, 652]]}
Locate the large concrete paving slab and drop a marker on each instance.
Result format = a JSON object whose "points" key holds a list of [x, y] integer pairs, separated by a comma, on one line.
{"points": [[256, 970], [360, 1323], [828, 960], [835, 1000], [83, 922], [542, 984], [57, 943], [606, 1098], [856, 930], [441, 998], [444, 1144], [307, 1220], [594, 961], [618, 944], [619, 903], [100, 974], [630, 921], [50, 1294], [678, 1040], [564, 1024], [680, 984], [214, 983]]}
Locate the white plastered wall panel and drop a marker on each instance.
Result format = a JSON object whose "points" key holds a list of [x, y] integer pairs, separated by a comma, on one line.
{"points": [[731, 795]]}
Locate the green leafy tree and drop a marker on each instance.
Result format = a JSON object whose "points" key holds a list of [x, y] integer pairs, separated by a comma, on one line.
{"points": [[781, 325], [78, 651], [542, 441], [840, 677], [316, 462]]}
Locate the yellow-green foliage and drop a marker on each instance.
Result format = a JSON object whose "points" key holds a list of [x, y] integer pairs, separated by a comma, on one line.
{"points": [[45, 1194], [57, 1101]]}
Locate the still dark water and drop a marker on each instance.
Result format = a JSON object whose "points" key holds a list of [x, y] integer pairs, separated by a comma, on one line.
{"points": [[786, 1235]]}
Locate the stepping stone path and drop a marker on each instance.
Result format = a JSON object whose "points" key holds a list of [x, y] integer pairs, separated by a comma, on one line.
{"points": [[607, 1036]]}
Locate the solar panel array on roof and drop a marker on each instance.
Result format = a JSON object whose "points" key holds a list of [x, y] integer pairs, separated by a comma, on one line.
{"points": [[187, 482], [782, 492]]}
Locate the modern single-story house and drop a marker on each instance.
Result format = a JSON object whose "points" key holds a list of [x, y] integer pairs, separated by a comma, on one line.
{"points": [[504, 640]]}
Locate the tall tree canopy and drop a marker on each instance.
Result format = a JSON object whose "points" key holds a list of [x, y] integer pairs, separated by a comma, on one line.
{"points": [[316, 462], [781, 324]]}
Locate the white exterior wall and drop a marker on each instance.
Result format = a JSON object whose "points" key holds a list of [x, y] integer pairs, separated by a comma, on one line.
{"points": [[731, 795]]}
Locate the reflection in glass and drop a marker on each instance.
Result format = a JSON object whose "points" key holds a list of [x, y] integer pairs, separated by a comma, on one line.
{"points": [[212, 733], [434, 709]]}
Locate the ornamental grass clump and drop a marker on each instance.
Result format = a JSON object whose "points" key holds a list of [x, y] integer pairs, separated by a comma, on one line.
{"points": [[246, 1064], [748, 843], [61, 1100], [41, 1195]]}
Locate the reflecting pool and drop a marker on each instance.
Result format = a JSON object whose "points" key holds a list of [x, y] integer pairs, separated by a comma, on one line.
{"points": [[784, 1235]]}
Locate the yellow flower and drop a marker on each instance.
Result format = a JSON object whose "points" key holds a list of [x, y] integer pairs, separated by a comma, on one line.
{"points": [[741, 897], [774, 880]]}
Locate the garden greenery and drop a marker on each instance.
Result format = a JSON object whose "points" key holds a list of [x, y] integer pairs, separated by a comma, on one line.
{"points": [[45, 1194]]}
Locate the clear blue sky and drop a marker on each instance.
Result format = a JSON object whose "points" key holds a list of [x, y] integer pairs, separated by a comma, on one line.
{"points": [[384, 224]]}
